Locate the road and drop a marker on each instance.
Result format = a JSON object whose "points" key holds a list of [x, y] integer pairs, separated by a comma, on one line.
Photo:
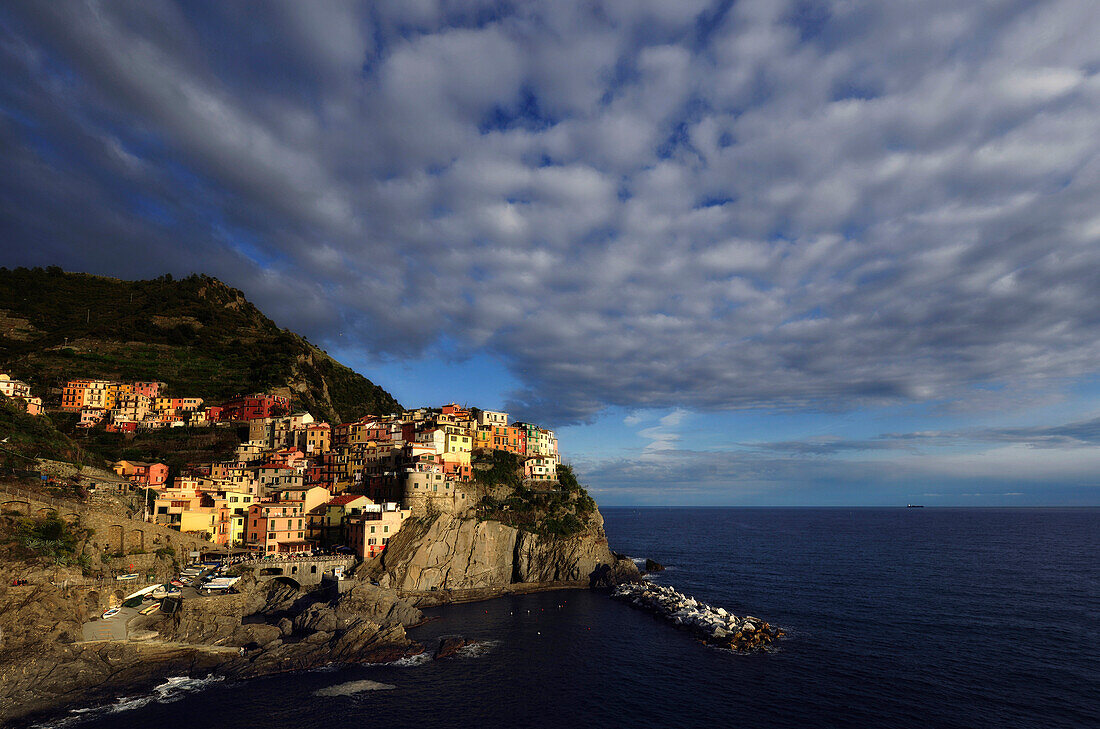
{"points": [[113, 628]]}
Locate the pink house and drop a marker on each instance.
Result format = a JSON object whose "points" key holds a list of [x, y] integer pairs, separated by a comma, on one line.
{"points": [[148, 389], [143, 475]]}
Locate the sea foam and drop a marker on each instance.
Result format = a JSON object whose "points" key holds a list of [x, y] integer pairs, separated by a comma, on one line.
{"points": [[173, 689], [353, 687]]}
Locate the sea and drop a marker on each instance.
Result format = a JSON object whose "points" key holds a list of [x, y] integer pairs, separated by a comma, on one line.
{"points": [[925, 618]]}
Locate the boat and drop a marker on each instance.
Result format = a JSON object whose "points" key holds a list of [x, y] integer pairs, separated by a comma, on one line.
{"points": [[166, 591], [110, 613], [143, 592], [177, 583], [914, 506], [221, 583], [151, 609], [130, 576]]}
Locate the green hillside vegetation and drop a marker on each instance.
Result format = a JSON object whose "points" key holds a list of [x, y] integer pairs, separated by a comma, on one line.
{"points": [[47, 538], [175, 447], [198, 335], [554, 512], [27, 437]]}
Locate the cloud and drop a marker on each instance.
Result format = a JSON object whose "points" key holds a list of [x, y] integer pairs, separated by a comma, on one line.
{"points": [[749, 206]]}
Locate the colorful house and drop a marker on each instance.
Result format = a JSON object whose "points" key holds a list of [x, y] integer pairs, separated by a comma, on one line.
{"points": [[370, 531], [251, 407], [142, 474], [277, 527]]}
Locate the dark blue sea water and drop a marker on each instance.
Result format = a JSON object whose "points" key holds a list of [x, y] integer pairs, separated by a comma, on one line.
{"points": [[897, 618]]}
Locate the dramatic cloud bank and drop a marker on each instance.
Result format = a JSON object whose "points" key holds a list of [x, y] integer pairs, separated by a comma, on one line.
{"points": [[772, 204]]}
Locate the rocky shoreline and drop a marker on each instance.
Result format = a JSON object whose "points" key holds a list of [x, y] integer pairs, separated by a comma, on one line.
{"points": [[279, 629], [284, 630], [714, 626]]}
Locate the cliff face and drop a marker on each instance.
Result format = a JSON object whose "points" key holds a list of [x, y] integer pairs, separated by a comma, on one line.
{"points": [[451, 552]]}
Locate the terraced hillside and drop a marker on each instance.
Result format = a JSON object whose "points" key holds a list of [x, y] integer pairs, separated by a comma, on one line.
{"points": [[197, 334]]}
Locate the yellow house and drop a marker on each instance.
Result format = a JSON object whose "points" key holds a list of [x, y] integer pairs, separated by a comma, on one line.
{"points": [[457, 440], [231, 509], [197, 520]]}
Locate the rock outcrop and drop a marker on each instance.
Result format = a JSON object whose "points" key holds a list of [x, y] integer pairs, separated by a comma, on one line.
{"points": [[714, 626], [266, 628], [449, 552]]}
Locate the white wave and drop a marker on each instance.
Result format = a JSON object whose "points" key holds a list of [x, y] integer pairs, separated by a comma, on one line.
{"points": [[406, 662], [410, 661], [327, 668], [353, 687], [173, 689], [477, 649]]}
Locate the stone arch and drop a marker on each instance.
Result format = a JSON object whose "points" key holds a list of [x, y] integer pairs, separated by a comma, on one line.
{"points": [[91, 602], [72, 517], [135, 540], [20, 507], [45, 511], [114, 538], [283, 580]]}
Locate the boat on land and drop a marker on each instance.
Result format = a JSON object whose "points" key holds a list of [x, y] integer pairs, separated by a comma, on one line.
{"points": [[130, 576], [142, 592], [151, 609], [110, 613], [221, 583], [164, 591]]}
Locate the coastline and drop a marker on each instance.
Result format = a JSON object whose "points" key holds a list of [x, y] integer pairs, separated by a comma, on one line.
{"points": [[90, 674]]}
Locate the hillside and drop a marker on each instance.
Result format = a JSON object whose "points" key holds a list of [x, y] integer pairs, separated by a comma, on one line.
{"points": [[197, 334]]}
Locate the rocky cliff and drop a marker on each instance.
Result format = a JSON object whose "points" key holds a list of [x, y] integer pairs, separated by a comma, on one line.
{"points": [[456, 553]]}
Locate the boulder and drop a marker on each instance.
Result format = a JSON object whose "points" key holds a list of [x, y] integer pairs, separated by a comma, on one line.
{"points": [[381, 605], [318, 617], [258, 633], [449, 647], [652, 565]]}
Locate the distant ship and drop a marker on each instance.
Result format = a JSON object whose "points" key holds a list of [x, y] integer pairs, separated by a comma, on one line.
{"points": [[914, 506]]}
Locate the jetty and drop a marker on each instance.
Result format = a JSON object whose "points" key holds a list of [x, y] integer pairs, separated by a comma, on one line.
{"points": [[713, 625]]}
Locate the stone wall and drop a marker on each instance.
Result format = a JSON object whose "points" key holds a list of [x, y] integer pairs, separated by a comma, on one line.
{"points": [[302, 570], [422, 502], [113, 533]]}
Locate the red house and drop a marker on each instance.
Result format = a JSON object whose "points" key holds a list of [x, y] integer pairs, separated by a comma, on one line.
{"points": [[254, 407]]}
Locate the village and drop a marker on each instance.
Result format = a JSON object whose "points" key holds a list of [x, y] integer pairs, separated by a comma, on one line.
{"points": [[296, 485]]}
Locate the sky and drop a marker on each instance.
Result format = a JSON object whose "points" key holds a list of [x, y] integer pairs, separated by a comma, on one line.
{"points": [[760, 252]]}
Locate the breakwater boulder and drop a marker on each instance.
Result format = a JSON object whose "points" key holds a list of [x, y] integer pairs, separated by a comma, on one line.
{"points": [[714, 626]]}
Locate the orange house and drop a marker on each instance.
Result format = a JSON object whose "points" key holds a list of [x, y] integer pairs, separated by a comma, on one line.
{"points": [[277, 527]]}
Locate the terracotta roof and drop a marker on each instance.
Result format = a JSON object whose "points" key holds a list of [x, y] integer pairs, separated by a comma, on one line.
{"points": [[344, 499]]}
